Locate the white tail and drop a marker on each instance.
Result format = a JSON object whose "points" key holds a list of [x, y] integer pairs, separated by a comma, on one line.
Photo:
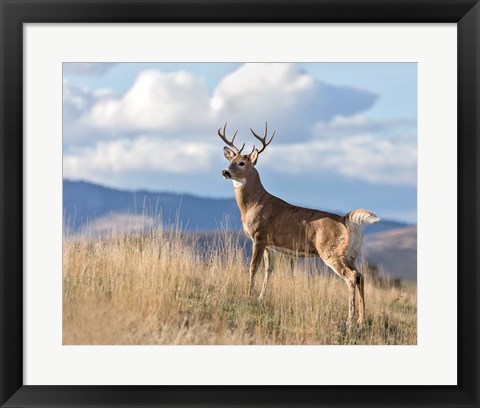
{"points": [[362, 217], [354, 221]]}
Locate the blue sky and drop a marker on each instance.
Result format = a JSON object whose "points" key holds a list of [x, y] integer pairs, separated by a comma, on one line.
{"points": [[346, 132]]}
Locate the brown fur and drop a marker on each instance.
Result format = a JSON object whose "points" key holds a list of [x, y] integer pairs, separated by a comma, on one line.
{"points": [[273, 224]]}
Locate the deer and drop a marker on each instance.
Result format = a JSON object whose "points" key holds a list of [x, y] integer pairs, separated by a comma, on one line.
{"points": [[273, 225]]}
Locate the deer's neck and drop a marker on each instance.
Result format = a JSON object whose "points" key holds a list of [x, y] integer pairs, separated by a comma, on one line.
{"points": [[249, 192]]}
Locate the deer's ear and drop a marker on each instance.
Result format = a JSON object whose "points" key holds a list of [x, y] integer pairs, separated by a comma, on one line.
{"points": [[253, 156], [229, 153]]}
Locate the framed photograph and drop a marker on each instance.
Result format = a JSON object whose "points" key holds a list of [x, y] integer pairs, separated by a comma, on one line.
{"points": [[238, 203]]}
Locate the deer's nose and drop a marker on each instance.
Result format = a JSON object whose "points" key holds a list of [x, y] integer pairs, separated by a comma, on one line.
{"points": [[226, 174]]}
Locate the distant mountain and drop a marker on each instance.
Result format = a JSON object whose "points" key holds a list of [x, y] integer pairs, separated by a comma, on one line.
{"points": [[105, 208], [394, 251], [86, 202]]}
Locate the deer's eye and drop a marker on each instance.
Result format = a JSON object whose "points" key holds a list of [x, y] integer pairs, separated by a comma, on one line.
{"points": [[241, 164]]}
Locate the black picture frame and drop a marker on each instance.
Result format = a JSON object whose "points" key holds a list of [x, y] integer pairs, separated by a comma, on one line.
{"points": [[14, 13]]}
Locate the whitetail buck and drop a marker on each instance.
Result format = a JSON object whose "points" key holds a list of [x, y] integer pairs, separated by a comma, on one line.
{"points": [[274, 225]]}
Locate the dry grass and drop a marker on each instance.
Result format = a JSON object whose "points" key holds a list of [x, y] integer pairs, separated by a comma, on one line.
{"points": [[156, 288]]}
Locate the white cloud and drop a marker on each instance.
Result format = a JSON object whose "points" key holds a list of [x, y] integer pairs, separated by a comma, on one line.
{"points": [[156, 101], [76, 103], [76, 99], [87, 68], [285, 96], [361, 156], [144, 153], [320, 127], [282, 94], [254, 86], [364, 157], [340, 126]]}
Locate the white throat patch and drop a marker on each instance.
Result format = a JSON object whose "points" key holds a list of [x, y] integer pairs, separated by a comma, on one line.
{"points": [[239, 183]]}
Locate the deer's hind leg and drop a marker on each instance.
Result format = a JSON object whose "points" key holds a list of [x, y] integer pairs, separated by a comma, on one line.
{"points": [[361, 298], [352, 278], [360, 284]]}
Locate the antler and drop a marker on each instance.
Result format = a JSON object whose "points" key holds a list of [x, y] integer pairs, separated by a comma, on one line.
{"points": [[229, 143], [263, 139]]}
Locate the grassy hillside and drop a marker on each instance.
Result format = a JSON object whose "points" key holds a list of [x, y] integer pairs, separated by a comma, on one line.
{"points": [[156, 288]]}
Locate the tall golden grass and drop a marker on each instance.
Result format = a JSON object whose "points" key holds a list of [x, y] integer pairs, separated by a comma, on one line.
{"points": [[159, 288]]}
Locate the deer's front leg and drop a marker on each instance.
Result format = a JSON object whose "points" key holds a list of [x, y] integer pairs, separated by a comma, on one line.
{"points": [[267, 259], [257, 253]]}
